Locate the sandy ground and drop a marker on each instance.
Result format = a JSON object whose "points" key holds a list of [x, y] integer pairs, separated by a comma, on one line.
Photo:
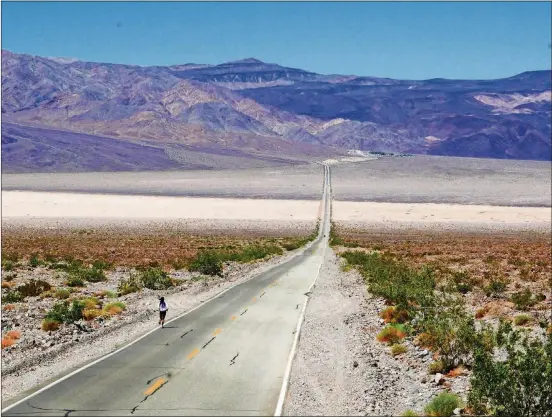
{"points": [[434, 179], [367, 215], [25, 204]]}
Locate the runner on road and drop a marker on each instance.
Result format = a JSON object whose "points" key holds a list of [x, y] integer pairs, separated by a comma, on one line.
{"points": [[162, 311]]}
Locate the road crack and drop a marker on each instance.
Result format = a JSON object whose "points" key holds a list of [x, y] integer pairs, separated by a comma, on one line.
{"points": [[233, 360], [189, 331], [213, 338]]}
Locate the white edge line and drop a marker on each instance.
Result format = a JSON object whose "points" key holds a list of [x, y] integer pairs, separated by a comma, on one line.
{"points": [[285, 383], [153, 330]]}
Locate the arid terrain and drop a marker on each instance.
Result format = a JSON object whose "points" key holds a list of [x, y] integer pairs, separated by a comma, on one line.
{"points": [[116, 241]]}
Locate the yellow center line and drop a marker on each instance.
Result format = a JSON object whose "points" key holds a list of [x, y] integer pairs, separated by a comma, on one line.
{"points": [[193, 353], [233, 318], [217, 331], [155, 386], [254, 299]]}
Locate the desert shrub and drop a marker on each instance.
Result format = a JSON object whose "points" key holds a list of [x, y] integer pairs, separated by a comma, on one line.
{"points": [[62, 293], [34, 261], [443, 405], [155, 279], [119, 304], [523, 300], [114, 308], [481, 312], [62, 312], [8, 284], [7, 342], [34, 288], [540, 297], [398, 349], [462, 282], [91, 313], [522, 319], [7, 265], [90, 302], [391, 334], [463, 287], [50, 325], [13, 297], [453, 373], [106, 294], [74, 280], [451, 331], [436, 367], [129, 285], [519, 385], [13, 334], [392, 280], [410, 413], [495, 287], [394, 314], [93, 274], [207, 263], [9, 307], [102, 265]]}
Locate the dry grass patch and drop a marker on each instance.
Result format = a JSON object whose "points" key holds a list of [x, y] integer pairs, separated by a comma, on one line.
{"points": [[157, 248]]}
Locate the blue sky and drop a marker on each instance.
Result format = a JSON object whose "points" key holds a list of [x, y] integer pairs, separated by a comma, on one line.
{"points": [[396, 40]]}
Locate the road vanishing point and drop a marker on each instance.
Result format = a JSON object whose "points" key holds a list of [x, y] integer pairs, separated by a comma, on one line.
{"points": [[231, 355]]}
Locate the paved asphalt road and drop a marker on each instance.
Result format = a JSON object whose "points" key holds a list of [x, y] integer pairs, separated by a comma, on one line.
{"points": [[227, 357]]}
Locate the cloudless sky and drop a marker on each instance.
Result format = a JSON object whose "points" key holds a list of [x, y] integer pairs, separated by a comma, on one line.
{"points": [[397, 40]]}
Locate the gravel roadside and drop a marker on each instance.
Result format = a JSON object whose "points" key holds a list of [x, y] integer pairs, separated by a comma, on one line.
{"points": [[340, 368]]}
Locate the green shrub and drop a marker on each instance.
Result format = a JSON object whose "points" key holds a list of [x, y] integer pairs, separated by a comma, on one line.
{"points": [[443, 405], [451, 330], [523, 300], [463, 287], [62, 312], [34, 261], [62, 293], [394, 281], [436, 367], [392, 334], [522, 319], [74, 280], [155, 279], [398, 349], [207, 263], [540, 297], [13, 297], [93, 275], [49, 325], [410, 413], [7, 265], [119, 304], [495, 287], [129, 285], [34, 288], [101, 265], [521, 385]]}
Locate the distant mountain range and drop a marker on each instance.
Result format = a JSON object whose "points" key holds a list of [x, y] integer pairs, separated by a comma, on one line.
{"points": [[266, 110]]}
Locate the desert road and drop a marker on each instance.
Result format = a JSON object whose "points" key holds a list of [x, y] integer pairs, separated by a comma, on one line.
{"points": [[229, 356]]}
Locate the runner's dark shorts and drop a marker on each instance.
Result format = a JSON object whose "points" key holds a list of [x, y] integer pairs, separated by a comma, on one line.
{"points": [[162, 315]]}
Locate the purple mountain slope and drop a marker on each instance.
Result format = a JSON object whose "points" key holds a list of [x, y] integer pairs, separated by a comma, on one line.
{"points": [[267, 109]]}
